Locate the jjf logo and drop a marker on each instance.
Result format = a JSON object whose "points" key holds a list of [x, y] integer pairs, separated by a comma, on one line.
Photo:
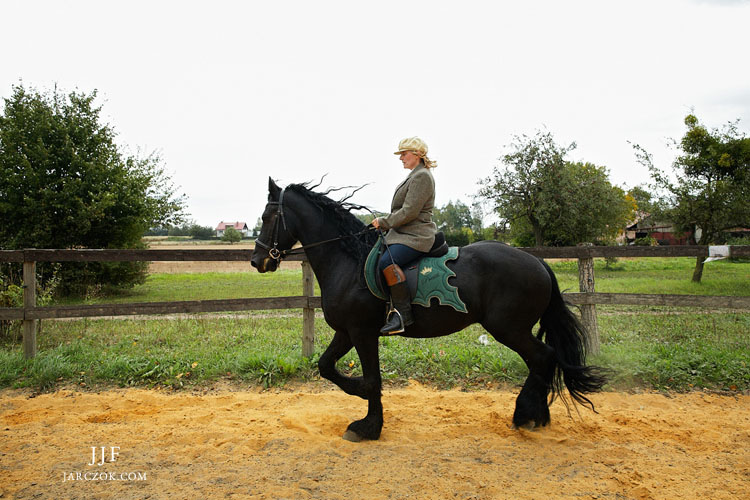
{"points": [[104, 453]]}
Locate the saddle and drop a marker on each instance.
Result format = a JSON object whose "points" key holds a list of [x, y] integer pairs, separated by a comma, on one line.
{"points": [[427, 277]]}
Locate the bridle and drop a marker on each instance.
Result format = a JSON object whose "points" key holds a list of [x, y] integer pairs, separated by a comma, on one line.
{"points": [[273, 250]]}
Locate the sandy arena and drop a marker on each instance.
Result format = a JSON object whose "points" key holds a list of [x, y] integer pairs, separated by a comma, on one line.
{"points": [[435, 445]]}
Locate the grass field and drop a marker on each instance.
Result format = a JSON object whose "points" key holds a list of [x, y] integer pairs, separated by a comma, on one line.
{"points": [[663, 348]]}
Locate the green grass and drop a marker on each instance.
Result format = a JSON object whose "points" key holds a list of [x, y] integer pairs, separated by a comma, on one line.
{"points": [[676, 352], [660, 276], [660, 348], [203, 286], [653, 275]]}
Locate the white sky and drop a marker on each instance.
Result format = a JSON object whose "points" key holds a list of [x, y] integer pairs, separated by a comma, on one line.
{"points": [[232, 92]]}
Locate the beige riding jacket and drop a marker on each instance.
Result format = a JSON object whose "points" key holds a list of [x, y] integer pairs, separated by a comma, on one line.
{"points": [[410, 221]]}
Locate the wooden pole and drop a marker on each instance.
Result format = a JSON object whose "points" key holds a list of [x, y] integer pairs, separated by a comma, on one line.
{"points": [[308, 313], [588, 311], [29, 300]]}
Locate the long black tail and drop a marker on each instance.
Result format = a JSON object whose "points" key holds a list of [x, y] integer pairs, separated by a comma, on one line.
{"points": [[562, 331]]}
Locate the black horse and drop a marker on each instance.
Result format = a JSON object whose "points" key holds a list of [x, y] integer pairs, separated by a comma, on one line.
{"points": [[505, 290]]}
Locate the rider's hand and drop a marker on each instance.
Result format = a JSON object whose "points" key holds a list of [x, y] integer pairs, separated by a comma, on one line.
{"points": [[375, 224]]}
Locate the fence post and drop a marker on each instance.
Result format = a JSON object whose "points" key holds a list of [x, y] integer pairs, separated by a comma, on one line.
{"points": [[308, 313], [29, 300], [588, 311]]}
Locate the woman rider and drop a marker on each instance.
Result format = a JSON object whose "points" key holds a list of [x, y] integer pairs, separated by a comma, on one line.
{"points": [[411, 232]]}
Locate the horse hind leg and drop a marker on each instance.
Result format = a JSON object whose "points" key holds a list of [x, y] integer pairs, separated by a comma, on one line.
{"points": [[532, 404]]}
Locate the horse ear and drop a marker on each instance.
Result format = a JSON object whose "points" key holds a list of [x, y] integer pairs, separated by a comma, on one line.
{"points": [[273, 190]]}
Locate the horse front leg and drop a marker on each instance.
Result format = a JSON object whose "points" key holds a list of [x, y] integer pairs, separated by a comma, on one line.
{"points": [[369, 427], [339, 346]]}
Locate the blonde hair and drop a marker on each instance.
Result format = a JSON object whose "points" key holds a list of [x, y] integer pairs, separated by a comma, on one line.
{"points": [[418, 147]]}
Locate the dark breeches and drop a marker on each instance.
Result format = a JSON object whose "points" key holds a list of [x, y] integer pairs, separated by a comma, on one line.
{"points": [[401, 256]]}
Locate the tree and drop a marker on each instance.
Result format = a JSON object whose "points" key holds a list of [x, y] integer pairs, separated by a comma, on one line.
{"points": [[459, 224], [198, 232], [644, 199], [231, 235], [259, 224], [454, 216], [592, 209], [711, 186], [64, 183], [526, 190], [549, 201], [181, 230]]}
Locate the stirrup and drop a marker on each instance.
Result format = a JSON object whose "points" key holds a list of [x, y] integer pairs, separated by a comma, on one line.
{"points": [[398, 329]]}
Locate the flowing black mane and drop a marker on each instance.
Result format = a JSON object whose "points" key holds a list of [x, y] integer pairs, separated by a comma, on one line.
{"points": [[339, 213]]}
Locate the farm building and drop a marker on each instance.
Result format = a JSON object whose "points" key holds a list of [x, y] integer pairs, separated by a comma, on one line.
{"points": [[242, 227], [665, 233]]}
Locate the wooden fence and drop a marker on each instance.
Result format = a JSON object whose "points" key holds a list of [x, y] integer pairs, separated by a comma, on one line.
{"points": [[587, 298]]}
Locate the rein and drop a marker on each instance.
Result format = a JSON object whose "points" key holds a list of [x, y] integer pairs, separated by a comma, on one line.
{"points": [[273, 250]]}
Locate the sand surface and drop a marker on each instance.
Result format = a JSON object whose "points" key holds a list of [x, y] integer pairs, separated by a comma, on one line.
{"points": [[435, 444]]}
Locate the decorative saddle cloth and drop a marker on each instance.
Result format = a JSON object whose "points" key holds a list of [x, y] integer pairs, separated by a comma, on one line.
{"points": [[427, 278]]}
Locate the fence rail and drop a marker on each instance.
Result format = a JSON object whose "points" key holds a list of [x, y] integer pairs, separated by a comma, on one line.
{"points": [[587, 298], [152, 255]]}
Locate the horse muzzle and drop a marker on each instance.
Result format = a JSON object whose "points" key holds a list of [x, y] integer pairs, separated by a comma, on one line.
{"points": [[264, 264]]}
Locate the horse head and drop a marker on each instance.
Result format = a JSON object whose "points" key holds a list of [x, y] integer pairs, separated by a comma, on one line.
{"points": [[274, 238]]}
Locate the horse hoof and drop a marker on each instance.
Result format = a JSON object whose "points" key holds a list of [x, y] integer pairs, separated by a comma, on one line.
{"points": [[352, 436], [529, 426]]}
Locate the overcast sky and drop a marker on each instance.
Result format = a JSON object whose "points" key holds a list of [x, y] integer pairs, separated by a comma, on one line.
{"points": [[232, 92]]}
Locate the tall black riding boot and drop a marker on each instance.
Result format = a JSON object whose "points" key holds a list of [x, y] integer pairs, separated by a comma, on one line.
{"points": [[399, 317]]}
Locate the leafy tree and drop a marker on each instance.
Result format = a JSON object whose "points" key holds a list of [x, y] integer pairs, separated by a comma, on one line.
{"points": [[454, 216], [711, 186], [549, 201], [198, 232], [64, 183], [643, 198], [459, 224], [259, 223], [528, 188], [647, 207], [592, 209], [181, 230], [231, 235]]}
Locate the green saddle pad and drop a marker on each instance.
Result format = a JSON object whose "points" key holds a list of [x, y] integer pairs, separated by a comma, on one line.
{"points": [[432, 279]]}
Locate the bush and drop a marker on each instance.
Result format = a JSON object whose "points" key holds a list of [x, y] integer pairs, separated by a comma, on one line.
{"points": [[461, 237], [609, 262], [646, 241], [66, 183], [201, 232], [738, 240], [231, 235], [11, 294]]}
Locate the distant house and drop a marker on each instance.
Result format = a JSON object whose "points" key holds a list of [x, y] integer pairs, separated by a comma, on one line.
{"points": [[242, 227], [663, 232]]}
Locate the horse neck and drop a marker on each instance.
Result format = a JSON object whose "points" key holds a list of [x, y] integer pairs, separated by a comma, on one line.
{"points": [[328, 261]]}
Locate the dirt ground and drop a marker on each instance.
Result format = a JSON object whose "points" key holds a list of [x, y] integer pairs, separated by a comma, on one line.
{"points": [[175, 267], [224, 443]]}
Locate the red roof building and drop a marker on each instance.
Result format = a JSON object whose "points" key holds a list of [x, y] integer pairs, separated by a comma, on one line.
{"points": [[242, 227]]}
